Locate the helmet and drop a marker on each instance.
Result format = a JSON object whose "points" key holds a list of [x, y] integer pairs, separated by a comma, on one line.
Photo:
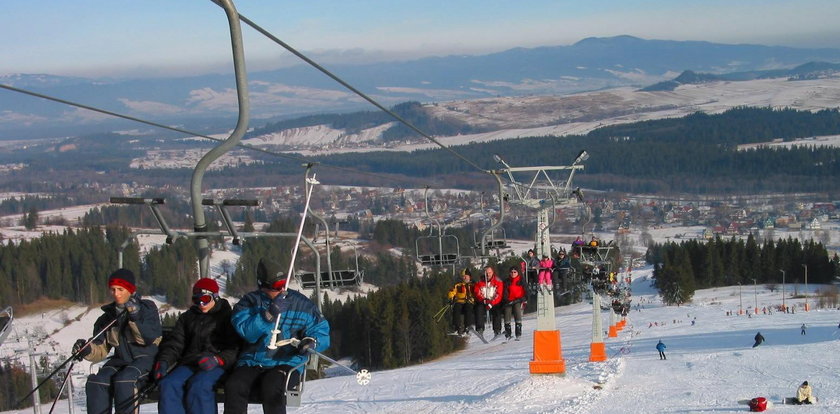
{"points": [[269, 275]]}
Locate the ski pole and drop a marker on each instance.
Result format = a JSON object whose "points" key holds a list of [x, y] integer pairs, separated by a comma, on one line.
{"points": [[311, 181], [63, 384], [72, 357], [362, 376], [439, 315]]}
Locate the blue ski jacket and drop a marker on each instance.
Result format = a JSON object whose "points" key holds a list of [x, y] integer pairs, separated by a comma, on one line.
{"points": [[660, 347], [300, 320]]}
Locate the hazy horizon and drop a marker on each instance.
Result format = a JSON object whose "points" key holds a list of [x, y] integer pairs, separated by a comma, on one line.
{"points": [[156, 38]]}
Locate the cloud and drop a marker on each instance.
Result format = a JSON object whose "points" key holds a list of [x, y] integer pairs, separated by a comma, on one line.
{"points": [[83, 116], [151, 107], [210, 99], [19, 118], [432, 93]]}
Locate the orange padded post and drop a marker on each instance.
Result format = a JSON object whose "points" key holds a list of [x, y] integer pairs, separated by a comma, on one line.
{"points": [[613, 332], [597, 352], [548, 354]]}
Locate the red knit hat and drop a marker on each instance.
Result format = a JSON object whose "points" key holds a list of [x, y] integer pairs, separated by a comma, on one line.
{"points": [[206, 284], [123, 278]]}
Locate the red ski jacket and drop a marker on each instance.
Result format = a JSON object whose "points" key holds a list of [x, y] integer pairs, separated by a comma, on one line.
{"points": [[489, 292], [514, 291]]}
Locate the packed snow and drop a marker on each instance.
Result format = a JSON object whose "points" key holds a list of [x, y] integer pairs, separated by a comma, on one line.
{"points": [[710, 366]]}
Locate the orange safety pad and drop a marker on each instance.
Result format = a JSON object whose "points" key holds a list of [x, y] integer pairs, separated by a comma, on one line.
{"points": [[548, 354], [597, 352]]}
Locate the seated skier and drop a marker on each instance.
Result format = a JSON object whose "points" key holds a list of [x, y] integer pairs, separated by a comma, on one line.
{"points": [[803, 394]]}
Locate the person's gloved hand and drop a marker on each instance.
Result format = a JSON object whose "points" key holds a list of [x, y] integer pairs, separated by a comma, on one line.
{"points": [[133, 307], [78, 350], [160, 370], [277, 306], [306, 344], [209, 361]]}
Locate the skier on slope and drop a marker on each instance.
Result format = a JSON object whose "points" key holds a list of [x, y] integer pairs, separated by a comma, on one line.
{"points": [[260, 367], [514, 302], [758, 340], [488, 295], [462, 300], [134, 337], [661, 348]]}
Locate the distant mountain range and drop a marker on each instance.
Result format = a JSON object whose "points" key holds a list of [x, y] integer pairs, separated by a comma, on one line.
{"points": [[206, 103], [808, 71]]}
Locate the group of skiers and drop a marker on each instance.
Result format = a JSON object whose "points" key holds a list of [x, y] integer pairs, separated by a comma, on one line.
{"points": [[210, 340], [543, 269], [473, 301]]}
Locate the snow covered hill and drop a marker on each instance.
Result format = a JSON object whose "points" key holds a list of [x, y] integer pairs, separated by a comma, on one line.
{"points": [[710, 364], [514, 117]]}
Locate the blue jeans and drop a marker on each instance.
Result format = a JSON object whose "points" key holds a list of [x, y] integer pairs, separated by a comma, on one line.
{"points": [[198, 384]]}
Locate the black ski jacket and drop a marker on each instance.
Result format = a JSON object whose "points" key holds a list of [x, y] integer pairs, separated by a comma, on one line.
{"points": [[132, 340], [196, 333]]}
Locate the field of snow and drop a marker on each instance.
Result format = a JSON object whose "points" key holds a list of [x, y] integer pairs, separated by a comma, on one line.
{"points": [[710, 364], [538, 115]]}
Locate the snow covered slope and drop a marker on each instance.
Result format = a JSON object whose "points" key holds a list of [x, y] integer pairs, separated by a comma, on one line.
{"points": [[710, 365]]}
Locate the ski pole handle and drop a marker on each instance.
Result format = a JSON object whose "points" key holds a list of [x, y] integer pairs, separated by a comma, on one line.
{"points": [[272, 344]]}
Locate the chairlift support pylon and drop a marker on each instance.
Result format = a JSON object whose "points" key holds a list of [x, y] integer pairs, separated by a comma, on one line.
{"points": [[547, 351], [440, 257]]}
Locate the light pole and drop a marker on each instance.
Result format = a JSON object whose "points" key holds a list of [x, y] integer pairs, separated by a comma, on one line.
{"points": [[755, 295], [784, 308], [740, 303], [806, 286]]}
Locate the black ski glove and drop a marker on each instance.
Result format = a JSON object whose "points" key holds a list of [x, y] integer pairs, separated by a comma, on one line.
{"points": [[278, 305], [80, 352], [133, 307], [306, 344]]}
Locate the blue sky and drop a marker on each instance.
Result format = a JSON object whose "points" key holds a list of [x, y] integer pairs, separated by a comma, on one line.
{"points": [[131, 38]]}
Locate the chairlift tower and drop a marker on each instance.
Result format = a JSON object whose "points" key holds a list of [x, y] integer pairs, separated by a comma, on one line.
{"points": [[543, 194]]}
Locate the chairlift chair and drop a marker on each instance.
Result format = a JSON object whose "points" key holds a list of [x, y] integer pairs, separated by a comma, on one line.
{"points": [[6, 319], [496, 239], [444, 255]]}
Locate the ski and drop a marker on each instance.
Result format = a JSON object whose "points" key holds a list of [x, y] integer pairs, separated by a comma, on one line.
{"points": [[795, 401], [479, 335]]}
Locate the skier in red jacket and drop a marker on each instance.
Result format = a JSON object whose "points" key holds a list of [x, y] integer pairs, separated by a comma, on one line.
{"points": [[488, 296]]}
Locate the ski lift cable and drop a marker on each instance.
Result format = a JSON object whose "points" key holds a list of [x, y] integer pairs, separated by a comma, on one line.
{"points": [[361, 94], [183, 131], [305, 59]]}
